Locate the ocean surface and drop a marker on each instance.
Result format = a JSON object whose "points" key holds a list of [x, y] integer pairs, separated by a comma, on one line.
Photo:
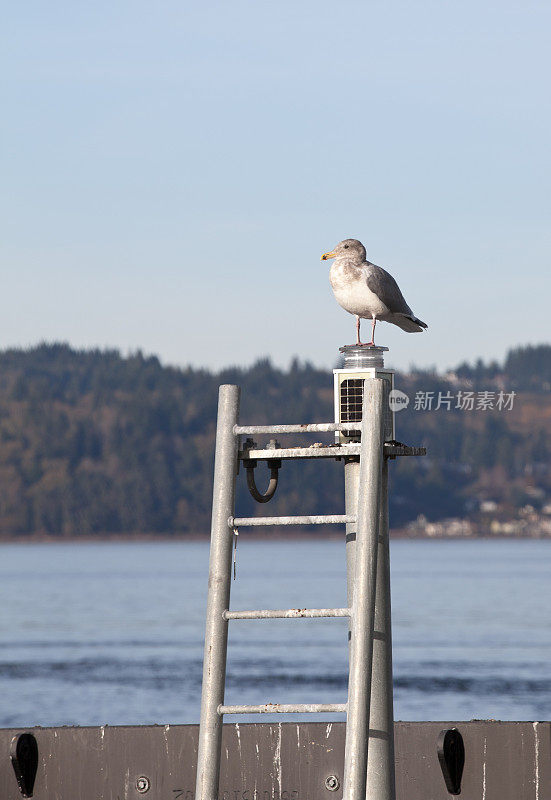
{"points": [[112, 633]]}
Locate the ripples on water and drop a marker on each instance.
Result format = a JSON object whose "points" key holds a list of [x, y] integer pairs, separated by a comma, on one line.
{"points": [[113, 633]]}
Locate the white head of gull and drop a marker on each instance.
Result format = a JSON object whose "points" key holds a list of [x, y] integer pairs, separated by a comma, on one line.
{"points": [[368, 291]]}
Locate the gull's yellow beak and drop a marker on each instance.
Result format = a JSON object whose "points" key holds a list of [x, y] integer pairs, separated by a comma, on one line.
{"points": [[325, 256]]}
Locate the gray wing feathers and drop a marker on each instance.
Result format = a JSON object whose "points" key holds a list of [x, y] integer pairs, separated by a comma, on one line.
{"points": [[385, 287], [408, 324]]}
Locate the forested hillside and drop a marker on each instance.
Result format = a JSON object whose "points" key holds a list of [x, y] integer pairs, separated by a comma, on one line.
{"points": [[94, 443]]}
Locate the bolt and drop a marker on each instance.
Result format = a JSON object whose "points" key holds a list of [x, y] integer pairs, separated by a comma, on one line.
{"points": [[332, 783], [143, 784]]}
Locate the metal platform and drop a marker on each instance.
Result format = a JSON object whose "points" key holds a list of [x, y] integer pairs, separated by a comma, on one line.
{"points": [[391, 450], [286, 761]]}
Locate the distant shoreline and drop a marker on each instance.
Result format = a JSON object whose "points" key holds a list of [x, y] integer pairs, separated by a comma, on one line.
{"points": [[94, 441], [395, 534]]}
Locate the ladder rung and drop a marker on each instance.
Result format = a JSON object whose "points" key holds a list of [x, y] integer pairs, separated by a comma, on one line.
{"points": [[288, 613], [314, 427], [327, 519], [289, 708]]}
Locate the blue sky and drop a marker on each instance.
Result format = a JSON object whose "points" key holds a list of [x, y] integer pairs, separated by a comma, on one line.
{"points": [[173, 171]]}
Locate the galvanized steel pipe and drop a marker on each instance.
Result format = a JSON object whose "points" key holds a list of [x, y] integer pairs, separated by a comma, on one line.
{"points": [[289, 613], [286, 708], [380, 761], [312, 427], [320, 519], [216, 634], [363, 606]]}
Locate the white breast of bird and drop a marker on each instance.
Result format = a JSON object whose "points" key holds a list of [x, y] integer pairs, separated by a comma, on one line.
{"points": [[352, 292]]}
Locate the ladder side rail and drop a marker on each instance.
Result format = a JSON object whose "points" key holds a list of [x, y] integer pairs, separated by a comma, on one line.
{"points": [[216, 634], [363, 604], [380, 764]]}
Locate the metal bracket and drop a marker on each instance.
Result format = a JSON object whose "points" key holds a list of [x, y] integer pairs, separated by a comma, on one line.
{"points": [[274, 465], [393, 448], [451, 755], [24, 759]]}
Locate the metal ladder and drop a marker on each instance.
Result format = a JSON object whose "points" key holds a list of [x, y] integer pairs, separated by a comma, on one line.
{"points": [[373, 453]]}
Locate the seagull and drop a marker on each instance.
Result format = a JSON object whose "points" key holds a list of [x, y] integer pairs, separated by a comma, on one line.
{"points": [[368, 291]]}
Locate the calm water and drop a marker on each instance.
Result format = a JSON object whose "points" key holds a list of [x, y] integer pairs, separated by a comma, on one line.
{"points": [[113, 633]]}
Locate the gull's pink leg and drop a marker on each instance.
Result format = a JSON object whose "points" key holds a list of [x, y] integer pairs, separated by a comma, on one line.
{"points": [[372, 342], [358, 330]]}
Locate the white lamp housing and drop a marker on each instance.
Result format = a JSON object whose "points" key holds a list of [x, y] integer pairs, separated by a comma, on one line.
{"points": [[360, 363]]}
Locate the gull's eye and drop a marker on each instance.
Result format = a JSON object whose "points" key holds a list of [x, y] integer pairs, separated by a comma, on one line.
{"points": [[346, 247]]}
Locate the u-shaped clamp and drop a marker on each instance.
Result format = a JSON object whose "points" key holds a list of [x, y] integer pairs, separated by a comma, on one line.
{"points": [[273, 465]]}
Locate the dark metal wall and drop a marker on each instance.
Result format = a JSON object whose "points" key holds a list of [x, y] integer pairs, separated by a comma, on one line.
{"points": [[503, 761]]}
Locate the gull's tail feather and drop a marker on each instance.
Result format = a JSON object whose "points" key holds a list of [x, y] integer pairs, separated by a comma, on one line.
{"points": [[408, 323]]}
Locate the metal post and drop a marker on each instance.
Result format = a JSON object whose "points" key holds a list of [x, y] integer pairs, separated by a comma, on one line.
{"points": [[380, 762], [216, 635], [363, 608], [351, 481]]}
